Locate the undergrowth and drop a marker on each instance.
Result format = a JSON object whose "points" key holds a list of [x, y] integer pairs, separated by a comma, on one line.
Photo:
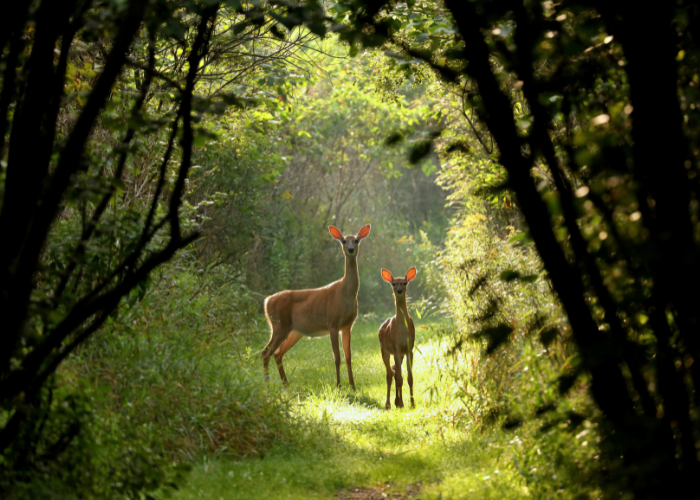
{"points": [[179, 363], [175, 381]]}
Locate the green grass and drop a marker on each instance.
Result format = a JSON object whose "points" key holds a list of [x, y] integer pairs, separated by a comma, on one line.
{"points": [[340, 439]]}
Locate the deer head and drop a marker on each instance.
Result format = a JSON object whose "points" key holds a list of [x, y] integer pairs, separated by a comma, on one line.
{"points": [[350, 244], [399, 285]]}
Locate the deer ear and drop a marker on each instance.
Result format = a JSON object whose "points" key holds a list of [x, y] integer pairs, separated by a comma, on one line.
{"points": [[364, 232], [335, 232], [386, 276], [411, 273]]}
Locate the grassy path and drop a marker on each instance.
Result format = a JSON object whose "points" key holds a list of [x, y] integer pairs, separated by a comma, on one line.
{"points": [[345, 445]]}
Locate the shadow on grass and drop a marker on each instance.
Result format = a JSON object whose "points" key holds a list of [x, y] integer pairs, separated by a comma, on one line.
{"points": [[365, 400]]}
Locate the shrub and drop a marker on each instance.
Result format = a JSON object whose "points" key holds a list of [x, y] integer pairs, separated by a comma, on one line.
{"points": [[79, 452], [510, 355], [167, 382], [178, 364]]}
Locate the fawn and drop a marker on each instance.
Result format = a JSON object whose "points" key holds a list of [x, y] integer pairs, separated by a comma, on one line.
{"points": [[293, 314], [396, 338]]}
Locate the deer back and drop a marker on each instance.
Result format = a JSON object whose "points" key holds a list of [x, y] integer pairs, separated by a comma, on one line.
{"points": [[312, 312]]}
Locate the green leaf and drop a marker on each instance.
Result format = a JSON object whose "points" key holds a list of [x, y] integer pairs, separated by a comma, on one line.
{"points": [[419, 151], [394, 138], [509, 275], [521, 239], [422, 37], [548, 335], [240, 27], [317, 27], [199, 140], [566, 382], [277, 32], [495, 336], [512, 423]]}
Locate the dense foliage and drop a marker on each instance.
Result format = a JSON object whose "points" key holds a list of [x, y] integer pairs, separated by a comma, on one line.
{"points": [[582, 129], [536, 162], [101, 111]]}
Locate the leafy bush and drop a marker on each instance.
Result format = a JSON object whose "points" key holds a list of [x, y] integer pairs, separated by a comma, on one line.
{"points": [[173, 378], [176, 363], [80, 452], [510, 355]]}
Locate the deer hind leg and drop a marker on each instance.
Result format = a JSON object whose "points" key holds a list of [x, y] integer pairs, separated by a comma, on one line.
{"points": [[348, 355], [279, 335], [336, 354], [409, 367], [386, 357], [292, 339], [398, 359]]}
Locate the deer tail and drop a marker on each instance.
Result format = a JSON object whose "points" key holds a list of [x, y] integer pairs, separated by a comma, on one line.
{"points": [[267, 312]]}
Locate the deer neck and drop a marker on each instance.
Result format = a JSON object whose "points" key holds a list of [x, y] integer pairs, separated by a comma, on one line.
{"points": [[351, 278], [401, 309]]}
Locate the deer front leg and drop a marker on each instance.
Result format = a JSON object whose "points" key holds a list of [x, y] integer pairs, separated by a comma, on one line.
{"points": [[398, 359], [409, 367], [336, 354], [348, 355], [386, 357]]}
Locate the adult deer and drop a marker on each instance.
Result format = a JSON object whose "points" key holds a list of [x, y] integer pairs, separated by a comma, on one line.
{"points": [[396, 338], [293, 314]]}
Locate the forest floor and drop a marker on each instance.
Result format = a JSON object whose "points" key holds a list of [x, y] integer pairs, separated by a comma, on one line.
{"points": [[345, 445]]}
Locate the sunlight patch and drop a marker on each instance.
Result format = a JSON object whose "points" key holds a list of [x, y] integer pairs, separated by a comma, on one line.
{"points": [[331, 405], [338, 411], [354, 413]]}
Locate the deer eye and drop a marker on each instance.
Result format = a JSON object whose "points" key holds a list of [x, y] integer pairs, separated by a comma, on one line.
{"points": [[344, 242]]}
